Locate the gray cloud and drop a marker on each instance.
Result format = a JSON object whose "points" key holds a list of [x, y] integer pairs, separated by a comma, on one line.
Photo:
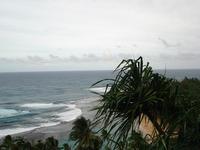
{"points": [[53, 59], [100, 31], [180, 56]]}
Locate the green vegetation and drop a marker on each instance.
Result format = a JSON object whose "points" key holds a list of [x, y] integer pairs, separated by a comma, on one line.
{"points": [[136, 96], [136, 92], [20, 144], [84, 136]]}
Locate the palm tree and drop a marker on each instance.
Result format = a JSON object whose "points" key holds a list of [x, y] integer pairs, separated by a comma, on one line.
{"points": [[39, 145], [51, 143], [15, 144], [66, 147], [83, 135], [135, 93], [7, 143]]}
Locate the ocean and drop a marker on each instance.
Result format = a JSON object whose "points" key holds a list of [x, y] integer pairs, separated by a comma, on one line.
{"points": [[40, 99]]}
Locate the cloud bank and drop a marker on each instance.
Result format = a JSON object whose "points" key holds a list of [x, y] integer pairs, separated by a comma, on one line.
{"points": [[49, 32]]}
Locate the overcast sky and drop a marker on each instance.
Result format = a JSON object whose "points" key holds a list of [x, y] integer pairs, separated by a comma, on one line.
{"points": [[43, 35]]}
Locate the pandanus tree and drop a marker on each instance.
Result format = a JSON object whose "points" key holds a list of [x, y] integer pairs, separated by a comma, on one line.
{"points": [[134, 94], [83, 135]]}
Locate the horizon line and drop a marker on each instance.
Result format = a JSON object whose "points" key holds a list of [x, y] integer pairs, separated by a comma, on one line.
{"points": [[35, 71]]}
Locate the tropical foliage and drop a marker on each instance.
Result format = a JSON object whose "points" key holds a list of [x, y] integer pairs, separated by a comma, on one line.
{"points": [[50, 143], [137, 94], [84, 136]]}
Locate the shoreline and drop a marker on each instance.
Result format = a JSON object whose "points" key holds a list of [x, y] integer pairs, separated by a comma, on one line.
{"points": [[62, 130]]}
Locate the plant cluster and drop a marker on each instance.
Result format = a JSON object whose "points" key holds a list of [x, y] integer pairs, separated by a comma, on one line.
{"points": [[19, 143]]}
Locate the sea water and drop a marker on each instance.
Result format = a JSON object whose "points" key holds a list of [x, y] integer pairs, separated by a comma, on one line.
{"points": [[40, 99]]}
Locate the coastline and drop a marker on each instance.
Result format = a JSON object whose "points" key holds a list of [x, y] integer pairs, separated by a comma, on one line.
{"points": [[62, 130]]}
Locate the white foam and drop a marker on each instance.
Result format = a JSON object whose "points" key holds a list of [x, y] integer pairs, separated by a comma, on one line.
{"points": [[4, 113], [42, 105], [48, 124], [5, 132], [71, 114], [71, 106], [99, 89]]}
